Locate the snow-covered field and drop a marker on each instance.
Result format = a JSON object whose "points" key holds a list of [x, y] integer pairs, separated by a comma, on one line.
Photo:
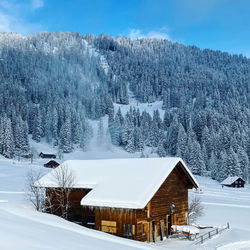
{"points": [[23, 228]]}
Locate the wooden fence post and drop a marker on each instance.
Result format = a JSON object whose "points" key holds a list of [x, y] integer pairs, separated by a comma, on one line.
{"points": [[228, 225]]}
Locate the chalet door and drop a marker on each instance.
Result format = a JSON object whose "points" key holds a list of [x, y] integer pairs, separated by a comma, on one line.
{"points": [[153, 230], [169, 223]]}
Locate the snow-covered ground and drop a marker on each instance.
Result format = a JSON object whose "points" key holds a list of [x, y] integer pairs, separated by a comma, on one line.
{"points": [[23, 228]]}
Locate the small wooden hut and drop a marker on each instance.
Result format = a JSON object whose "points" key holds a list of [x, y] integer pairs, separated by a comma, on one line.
{"points": [[233, 181], [51, 164], [47, 156]]}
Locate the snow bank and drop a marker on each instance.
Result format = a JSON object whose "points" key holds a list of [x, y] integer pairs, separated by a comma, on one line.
{"points": [[236, 246]]}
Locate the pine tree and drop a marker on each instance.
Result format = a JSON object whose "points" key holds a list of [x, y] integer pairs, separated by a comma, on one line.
{"points": [[173, 136], [196, 161], [130, 146], [161, 151], [7, 139], [213, 166], [139, 145], [243, 163], [37, 132], [20, 137], [65, 137], [231, 163], [206, 141], [181, 141]]}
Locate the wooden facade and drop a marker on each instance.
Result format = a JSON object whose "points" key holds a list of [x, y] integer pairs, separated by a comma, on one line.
{"points": [[47, 156], [151, 223], [238, 183], [51, 164]]}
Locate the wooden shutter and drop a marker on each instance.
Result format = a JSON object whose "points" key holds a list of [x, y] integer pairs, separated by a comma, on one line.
{"points": [[133, 229], [174, 219], [167, 222], [109, 226]]}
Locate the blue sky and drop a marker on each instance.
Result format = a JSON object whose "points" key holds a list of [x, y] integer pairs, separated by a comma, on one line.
{"points": [[214, 24]]}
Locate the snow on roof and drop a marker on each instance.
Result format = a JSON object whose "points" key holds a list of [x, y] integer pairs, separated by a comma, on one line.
{"points": [[229, 180], [122, 183]]}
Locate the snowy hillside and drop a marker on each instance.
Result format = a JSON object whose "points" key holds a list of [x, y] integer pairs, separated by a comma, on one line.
{"points": [[191, 103]]}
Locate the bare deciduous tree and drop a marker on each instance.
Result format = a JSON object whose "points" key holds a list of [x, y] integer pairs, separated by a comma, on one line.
{"points": [[64, 179], [196, 210], [36, 194]]}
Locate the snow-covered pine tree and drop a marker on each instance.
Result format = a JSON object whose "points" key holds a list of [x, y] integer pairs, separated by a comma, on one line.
{"points": [[65, 137], [181, 142], [161, 150], [7, 139], [243, 163], [37, 131], [173, 136], [196, 160]]}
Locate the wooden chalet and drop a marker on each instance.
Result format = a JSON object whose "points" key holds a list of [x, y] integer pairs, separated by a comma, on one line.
{"points": [[51, 164], [27, 156], [48, 156], [134, 198], [233, 181]]}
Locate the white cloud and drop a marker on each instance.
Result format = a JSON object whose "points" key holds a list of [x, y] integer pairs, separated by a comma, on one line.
{"points": [[14, 16], [158, 34], [10, 23], [4, 23], [36, 4]]}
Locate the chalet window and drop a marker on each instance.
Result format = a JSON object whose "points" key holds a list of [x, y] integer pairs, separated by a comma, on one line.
{"points": [[108, 226], [129, 229]]}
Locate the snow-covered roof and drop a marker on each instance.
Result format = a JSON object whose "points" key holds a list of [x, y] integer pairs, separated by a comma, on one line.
{"points": [[229, 180], [121, 183]]}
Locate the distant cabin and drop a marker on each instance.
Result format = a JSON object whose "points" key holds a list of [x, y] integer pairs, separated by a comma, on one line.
{"points": [[27, 156], [234, 181], [49, 156], [138, 199], [51, 164]]}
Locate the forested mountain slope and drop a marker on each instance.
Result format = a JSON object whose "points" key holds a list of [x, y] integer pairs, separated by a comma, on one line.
{"points": [[52, 83]]}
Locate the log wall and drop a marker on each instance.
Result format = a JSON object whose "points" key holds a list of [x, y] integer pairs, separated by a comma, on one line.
{"points": [[114, 220], [174, 189]]}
